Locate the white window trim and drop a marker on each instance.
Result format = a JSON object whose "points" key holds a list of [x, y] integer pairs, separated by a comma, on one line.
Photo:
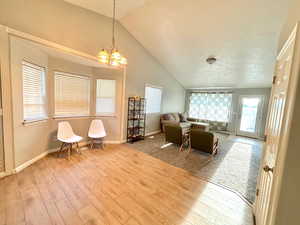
{"points": [[162, 91], [70, 116], [36, 121]]}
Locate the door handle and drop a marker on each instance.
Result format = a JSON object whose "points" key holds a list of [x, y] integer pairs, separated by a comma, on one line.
{"points": [[268, 169]]}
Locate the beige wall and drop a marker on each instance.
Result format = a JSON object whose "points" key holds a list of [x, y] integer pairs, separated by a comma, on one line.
{"points": [[33, 139], [293, 16], [86, 31]]}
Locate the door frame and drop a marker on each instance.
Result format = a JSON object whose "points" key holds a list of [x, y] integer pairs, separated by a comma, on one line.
{"points": [[284, 141], [7, 124], [258, 119]]}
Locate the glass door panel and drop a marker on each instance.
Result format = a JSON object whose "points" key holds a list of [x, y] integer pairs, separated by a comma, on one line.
{"points": [[249, 116]]}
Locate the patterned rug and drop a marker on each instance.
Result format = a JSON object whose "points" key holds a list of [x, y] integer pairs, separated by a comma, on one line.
{"points": [[235, 166]]}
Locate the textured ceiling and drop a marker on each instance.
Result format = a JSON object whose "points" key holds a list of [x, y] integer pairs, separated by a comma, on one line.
{"points": [[241, 34]]}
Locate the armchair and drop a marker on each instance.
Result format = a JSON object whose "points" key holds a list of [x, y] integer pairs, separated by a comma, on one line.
{"points": [[204, 141]]}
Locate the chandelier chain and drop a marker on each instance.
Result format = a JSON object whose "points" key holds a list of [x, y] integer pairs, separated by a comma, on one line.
{"points": [[114, 22]]}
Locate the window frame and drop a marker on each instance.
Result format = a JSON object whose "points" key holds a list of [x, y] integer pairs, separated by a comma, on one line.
{"points": [[45, 98], [69, 74], [161, 99], [103, 114]]}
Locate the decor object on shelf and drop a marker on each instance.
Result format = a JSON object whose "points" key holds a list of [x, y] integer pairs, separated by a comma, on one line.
{"points": [[136, 119], [112, 56], [96, 132]]}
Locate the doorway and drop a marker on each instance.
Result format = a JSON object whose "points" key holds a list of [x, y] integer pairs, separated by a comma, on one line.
{"points": [[250, 116]]}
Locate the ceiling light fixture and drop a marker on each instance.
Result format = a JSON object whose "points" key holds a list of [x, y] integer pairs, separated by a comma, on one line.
{"points": [[112, 56]]}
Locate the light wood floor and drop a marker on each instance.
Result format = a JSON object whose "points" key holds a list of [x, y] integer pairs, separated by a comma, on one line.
{"points": [[115, 186]]}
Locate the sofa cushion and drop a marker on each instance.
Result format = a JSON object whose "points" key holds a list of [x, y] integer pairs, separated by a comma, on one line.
{"points": [[183, 117], [167, 116], [218, 126], [176, 117]]}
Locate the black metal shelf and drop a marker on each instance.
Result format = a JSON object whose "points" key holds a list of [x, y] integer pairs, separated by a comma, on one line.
{"points": [[136, 119]]}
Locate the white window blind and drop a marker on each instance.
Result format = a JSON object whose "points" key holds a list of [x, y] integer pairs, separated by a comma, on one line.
{"points": [[34, 92], [72, 95], [153, 97], [105, 96]]}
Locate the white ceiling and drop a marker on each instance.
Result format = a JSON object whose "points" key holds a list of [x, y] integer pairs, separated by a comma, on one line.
{"points": [[241, 34]]}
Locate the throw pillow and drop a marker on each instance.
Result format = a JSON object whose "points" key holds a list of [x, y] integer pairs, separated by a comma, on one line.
{"points": [[183, 117], [167, 116]]}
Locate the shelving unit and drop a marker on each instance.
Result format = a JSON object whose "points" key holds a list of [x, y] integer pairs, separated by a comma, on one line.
{"points": [[136, 119]]}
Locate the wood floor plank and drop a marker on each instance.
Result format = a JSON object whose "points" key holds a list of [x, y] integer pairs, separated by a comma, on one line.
{"points": [[115, 186]]}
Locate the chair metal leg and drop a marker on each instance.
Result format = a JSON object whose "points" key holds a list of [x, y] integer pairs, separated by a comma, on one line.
{"points": [[92, 143], [77, 147], [102, 143], [69, 151], [181, 146], [61, 149]]}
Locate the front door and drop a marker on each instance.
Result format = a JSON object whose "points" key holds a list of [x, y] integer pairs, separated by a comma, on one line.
{"points": [[276, 116], [250, 115]]}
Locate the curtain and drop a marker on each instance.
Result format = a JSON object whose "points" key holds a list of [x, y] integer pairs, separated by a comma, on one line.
{"points": [[210, 106]]}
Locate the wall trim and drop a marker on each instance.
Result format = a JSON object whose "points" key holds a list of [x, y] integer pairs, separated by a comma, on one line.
{"points": [[4, 174], [28, 163], [152, 133]]}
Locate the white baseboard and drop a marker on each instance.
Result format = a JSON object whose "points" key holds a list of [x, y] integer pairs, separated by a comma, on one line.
{"points": [[29, 162], [113, 142], [4, 174], [152, 133], [82, 145]]}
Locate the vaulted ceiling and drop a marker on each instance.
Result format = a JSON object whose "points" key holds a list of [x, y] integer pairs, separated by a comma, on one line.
{"points": [[242, 34]]}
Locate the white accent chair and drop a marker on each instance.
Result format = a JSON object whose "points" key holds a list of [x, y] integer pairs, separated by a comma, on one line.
{"points": [[96, 131], [66, 135]]}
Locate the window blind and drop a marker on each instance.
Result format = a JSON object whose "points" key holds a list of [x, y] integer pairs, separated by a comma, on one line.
{"points": [[153, 99], [105, 96], [72, 95], [34, 92]]}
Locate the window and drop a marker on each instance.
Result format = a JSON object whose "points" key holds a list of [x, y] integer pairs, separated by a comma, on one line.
{"points": [[34, 92], [72, 95], [153, 97], [210, 106], [105, 97]]}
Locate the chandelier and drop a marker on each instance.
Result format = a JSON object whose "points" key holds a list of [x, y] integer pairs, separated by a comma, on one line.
{"points": [[112, 56]]}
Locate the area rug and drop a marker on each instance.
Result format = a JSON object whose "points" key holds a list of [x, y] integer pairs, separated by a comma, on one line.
{"points": [[235, 166]]}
